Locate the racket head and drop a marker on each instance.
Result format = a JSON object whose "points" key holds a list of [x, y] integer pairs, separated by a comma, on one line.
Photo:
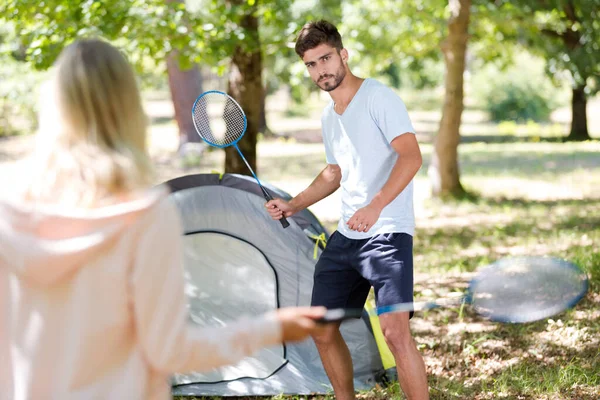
{"points": [[527, 288], [218, 118]]}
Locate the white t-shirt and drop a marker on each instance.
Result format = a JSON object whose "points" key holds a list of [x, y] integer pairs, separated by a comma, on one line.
{"points": [[359, 142]]}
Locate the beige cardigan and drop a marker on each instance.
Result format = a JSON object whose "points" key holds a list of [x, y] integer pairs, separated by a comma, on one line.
{"points": [[92, 304]]}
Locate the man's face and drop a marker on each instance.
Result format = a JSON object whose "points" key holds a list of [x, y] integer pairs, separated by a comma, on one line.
{"points": [[326, 66]]}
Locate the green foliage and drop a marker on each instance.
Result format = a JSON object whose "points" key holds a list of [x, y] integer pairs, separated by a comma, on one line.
{"points": [[43, 29], [417, 74], [407, 36], [205, 32], [282, 64], [385, 41], [19, 89], [512, 102], [379, 35], [565, 33], [493, 35], [518, 93]]}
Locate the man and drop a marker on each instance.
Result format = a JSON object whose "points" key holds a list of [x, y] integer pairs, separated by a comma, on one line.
{"points": [[372, 153]]}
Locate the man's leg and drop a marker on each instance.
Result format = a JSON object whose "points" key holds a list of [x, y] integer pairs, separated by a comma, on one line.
{"points": [[386, 260], [336, 360], [409, 362], [338, 285]]}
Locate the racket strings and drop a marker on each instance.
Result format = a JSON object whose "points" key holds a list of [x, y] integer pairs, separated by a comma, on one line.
{"points": [[525, 289], [218, 119]]}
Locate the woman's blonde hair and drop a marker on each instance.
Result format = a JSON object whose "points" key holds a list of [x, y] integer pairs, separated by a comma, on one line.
{"points": [[92, 139]]}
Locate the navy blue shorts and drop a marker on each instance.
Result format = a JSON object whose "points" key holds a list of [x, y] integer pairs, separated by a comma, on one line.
{"points": [[348, 268]]}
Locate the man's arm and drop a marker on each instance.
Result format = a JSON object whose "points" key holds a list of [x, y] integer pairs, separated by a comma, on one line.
{"points": [[327, 182], [408, 164], [406, 167]]}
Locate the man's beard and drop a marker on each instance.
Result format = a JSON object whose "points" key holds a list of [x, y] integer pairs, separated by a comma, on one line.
{"points": [[328, 85]]}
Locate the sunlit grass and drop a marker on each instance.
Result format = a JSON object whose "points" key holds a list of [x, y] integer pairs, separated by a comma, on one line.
{"points": [[536, 379], [530, 198], [466, 356]]}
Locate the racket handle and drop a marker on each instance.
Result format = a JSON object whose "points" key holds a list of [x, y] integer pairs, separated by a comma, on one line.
{"points": [[284, 222], [339, 315]]}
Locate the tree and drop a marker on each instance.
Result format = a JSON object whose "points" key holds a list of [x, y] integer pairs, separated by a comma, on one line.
{"points": [[574, 45], [409, 34], [246, 86], [406, 36], [273, 19], [443, 169], [213, 32], [185, 85], [567, 34], [43, 29]]}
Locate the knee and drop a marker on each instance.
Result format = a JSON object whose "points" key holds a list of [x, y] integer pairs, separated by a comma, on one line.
{"points": [[398, 341]]}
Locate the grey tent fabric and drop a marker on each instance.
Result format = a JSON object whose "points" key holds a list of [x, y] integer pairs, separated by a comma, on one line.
{"points": [[214, 258], [238, 262], [305, 219]]}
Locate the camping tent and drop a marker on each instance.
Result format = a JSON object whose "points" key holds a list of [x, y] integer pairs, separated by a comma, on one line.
{"points": [[238, 261]]}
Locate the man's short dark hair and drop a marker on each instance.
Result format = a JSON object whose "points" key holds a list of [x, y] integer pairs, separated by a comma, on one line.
{"points": [[316, 33]]}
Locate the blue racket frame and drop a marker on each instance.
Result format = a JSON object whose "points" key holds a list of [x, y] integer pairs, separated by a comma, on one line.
{"points": [[336, 315], [266, 194], [221, 146], [468, 298]]}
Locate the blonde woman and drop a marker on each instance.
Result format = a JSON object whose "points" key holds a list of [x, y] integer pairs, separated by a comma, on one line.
{"points": [[92, 302]]}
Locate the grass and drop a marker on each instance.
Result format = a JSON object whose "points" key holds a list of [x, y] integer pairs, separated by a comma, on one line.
{"points": [[530, 198], [548, 380]]}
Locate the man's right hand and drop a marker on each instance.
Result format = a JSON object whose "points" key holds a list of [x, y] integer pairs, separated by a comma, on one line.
{"points": [[277, 208]]}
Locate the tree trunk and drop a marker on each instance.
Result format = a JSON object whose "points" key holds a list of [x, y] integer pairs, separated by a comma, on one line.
{"points": [[185, 86], [579, 127], [263, 127], [443, 170], [245, 86]]}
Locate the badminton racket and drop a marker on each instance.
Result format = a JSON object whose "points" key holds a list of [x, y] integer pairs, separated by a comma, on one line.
{"points": [[511, 290], [221, 122]]}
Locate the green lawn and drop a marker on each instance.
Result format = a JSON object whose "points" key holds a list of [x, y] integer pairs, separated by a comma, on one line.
{"points": [[537, 198], [533, 196]]}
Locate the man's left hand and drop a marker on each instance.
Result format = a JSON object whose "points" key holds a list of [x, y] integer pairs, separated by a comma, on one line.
{"points": [[364, 218]]}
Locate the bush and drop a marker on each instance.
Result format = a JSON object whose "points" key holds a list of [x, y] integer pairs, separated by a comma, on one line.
{"points": [[515, 102], [19, 90], [521, 92]]}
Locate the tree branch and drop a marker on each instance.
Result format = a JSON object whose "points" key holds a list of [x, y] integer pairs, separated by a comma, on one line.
{"points": [[570, 12], [554, 34]]}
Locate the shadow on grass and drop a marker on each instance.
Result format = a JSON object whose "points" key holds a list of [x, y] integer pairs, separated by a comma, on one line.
{"points": [[514, 361], [501, 161], [567, 229], [509, 361], [511, 139], [428, 136], [305, 166], [527, 163], [525, 203]]}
